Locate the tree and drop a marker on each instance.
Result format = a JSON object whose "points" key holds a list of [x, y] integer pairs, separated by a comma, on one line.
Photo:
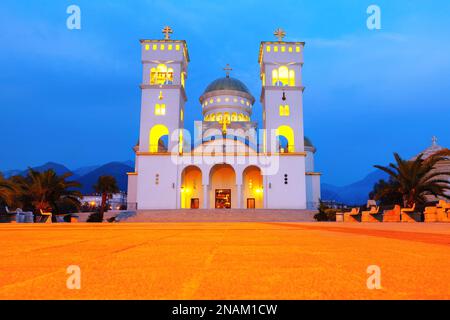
{"points": [[46, 190], [386, 192], [106, 186], [416, 179], [7, 190]]}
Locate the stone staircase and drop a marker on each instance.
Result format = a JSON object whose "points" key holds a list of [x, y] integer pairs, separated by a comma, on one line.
{"points": [[222, 215]]}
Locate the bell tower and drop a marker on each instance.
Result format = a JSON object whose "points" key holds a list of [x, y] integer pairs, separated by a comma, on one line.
{"points": [[163, 98], [281, 65]]}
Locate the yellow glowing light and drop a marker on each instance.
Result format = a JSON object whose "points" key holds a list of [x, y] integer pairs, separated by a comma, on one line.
{"points": [[147, 47], [155, 47], [177, 47], [170, 47], [283, 48], [268, 48], [290, 49], [297, 49]]}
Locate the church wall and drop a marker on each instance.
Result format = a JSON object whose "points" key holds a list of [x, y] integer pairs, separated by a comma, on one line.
{"points": [[132, 192], [157, 183], [309, 161], [291, 195], [312, 191]]}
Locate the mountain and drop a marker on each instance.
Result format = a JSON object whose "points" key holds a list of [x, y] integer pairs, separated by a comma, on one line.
{"points": [[116, 169], [356, 193], [58, 168], [85, 170]]}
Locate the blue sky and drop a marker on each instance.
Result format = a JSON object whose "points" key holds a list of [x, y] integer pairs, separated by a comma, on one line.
{"points": [[72, 96]]}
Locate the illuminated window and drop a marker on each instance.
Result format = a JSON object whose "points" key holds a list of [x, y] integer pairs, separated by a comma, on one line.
{"points": [[275, 48], [297, 49], [226, 117], [182, 79], [155, 47], [240, 117], [180, 141], [283, 77], [284, 110], [218, 99], [162, 47], [147, 47], [160, 109], [235, 100], [234, 116], [263, 77], [206, 103], [181, 115], [160, 97], [247, 103], [292, 78], [211, 100], [283, 48], [177, 47], [170, 47], [268, 48], [212, 117], [161, 75], [219, 117], [242, 101], [290, 49], [227, 99]]}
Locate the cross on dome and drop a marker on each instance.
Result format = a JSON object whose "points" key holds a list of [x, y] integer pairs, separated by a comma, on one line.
{"points": [[434, 140], [227, 69]]}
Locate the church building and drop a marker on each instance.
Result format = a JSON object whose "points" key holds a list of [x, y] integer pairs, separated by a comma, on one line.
{"points": [[229, 161]]}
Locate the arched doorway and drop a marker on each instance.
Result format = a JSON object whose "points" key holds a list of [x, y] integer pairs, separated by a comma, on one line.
{"points": [[222, 182], [253, 188], [191, 192]]}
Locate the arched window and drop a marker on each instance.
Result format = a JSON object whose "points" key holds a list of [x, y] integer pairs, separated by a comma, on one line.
{"points": [[288, 134], [283, 77], [234, 116], [219, 117], [160, 109], [212, 117], [156, 141], [161, 75], [241, 117], [226, 117]]}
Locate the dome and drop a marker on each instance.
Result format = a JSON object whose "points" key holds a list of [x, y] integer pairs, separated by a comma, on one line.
{"points": [[227, 83], [308, 142]]}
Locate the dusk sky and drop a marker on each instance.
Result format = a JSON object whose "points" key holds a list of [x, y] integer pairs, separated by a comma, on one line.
{"points": [[73, 97]]}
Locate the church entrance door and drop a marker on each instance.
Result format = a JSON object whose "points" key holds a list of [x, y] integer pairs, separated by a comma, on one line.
{"points": [[223, 198]]}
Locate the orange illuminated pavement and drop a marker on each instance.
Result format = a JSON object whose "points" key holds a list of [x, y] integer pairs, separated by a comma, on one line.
{"points": [[259, 260]]}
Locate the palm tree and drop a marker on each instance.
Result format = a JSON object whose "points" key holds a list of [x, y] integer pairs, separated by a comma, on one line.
{"points": [[106, 186], [44, 190], [416, 179], [7, 190]]}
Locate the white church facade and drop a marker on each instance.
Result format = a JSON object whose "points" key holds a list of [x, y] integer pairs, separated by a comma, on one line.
{"points": [[228, 161]]}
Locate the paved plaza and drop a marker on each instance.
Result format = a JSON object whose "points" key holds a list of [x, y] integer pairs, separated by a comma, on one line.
{"points": [[225, 260]]}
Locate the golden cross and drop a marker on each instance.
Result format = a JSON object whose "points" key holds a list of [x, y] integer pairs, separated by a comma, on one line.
{"points": [[227, 70], [167, 31], [280, 34]]}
